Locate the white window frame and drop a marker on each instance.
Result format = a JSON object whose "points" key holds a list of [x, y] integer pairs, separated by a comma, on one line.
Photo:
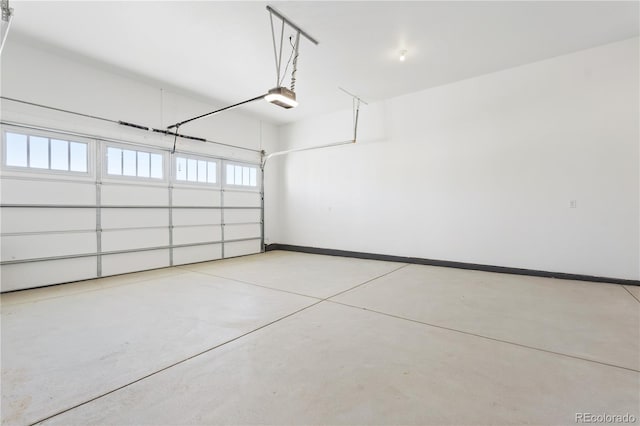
{"points": [[29, 132], [234, 186], [174, 165], [136, 148]]}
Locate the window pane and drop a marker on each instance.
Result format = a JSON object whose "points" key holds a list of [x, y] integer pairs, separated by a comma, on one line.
{"points": [[245, 176], [156, 166], [78, 156], [128, 162], [181, 168], [143, 164], [192, 170], [202, 171], [38, 152], [238, 173], [253, 181], [59, 155], [211, 172], [114, 161], [230, 176], [16, 150]]}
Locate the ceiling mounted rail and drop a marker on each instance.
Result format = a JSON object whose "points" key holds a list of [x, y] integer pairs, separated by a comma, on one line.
{"points": [[291, 24], [214, 112]]}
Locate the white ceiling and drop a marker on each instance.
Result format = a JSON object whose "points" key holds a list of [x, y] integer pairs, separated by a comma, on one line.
{"points": [[222, 51]]}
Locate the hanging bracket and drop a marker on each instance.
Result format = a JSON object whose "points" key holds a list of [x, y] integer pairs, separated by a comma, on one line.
{"points": [[355, 100], [356, 112], [277, 53], [291, 24]]}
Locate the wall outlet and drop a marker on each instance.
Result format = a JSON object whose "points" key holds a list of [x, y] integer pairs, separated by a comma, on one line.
{"points": [[573, 204]]}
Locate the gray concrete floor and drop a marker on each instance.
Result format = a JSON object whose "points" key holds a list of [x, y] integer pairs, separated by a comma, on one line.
{"points": [[291, 338]]}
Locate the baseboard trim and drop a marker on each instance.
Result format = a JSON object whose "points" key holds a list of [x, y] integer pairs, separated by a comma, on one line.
{"points": [[450, 264]]}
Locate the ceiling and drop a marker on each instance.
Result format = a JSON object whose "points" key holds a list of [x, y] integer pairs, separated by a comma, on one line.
{"points": [[223, 52]]}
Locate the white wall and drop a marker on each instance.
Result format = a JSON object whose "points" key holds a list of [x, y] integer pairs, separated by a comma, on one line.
{"points": [[482, 170]]}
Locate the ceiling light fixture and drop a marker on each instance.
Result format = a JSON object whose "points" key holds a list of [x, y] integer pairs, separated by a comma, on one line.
{"points": [[282, 96], [403, 55]]}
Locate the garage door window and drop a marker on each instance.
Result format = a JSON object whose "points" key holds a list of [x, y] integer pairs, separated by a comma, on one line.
{"points": [[44, 153], [196, 170], [134, 163], [241, 175]]}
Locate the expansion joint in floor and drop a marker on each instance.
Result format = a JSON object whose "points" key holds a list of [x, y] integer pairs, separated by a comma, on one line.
{"points": [[482, 336]]}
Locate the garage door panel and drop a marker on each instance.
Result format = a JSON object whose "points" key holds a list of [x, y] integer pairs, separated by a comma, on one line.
{"points": [[25, 219], [134, 218], [241, 199], [236, 232], [197, 234], [16, 191], [242, 216], [20, 247], [183, 217], [112, 224], [196, 197], [113, 264], [134, 239], [36, 274], [134, 195], [241, 248], [184, 255]]}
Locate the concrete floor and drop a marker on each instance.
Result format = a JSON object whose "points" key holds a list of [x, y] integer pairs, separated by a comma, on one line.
{"points": [[291, 338]]}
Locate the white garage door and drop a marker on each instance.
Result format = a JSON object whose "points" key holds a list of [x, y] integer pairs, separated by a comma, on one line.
{"points": [[74, 208]]}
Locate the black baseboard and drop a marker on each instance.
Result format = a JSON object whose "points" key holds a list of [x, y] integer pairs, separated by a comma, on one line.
{"points": [[450, 264]]}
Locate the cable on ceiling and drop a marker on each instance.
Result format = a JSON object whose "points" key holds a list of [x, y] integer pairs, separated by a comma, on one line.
{"points": [[58, 109], [295, 63], [289, 60]]}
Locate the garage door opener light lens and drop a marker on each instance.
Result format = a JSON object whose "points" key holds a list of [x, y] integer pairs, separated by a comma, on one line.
{"points": [[282, 96]]}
